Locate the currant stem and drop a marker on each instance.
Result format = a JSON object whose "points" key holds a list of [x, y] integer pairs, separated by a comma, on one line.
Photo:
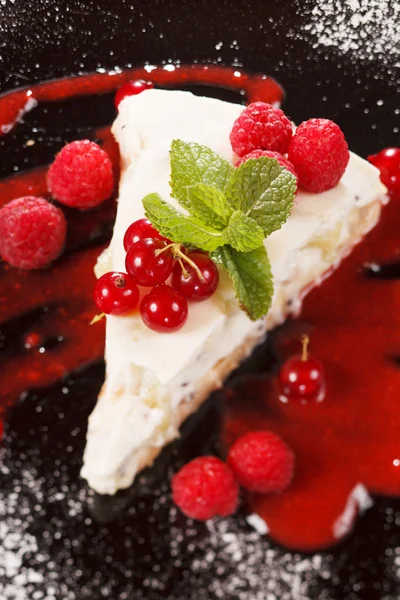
{"points": [[305, 340], [192, 264], [97, 318], [161, 250], [179, 255], [185, 273]]}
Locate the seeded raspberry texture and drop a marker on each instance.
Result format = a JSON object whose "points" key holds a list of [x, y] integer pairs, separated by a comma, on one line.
{"points": [[284, 162], [261, 127], [81, 175], [319, 154], [262, 462], [205, 488], [32, 232]]}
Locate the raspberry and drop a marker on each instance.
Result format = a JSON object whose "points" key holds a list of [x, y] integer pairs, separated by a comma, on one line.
{"points": [[32, 232], [81, 175], [262, 462], [319, 153], [261, 127], [205, 488], [281, 159]]}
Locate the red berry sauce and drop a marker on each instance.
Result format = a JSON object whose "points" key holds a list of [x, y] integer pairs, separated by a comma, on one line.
{"points": [[388, 162], [351, 437], [131, 88]]}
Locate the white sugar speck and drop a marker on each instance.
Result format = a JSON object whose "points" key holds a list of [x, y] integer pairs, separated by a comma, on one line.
{"points": [[257, 523]]}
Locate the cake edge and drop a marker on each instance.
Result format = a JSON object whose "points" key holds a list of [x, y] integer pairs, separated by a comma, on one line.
{"points": [[368, 218]]}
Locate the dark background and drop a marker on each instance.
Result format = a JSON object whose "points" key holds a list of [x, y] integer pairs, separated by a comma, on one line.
{"points": [[288, 39], [333, 61]]}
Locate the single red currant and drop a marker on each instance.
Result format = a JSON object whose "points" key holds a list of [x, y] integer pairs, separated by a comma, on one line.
{"points": [[132, 88], [388, 162], [164, 309], [149, 261], [139, 230], [198, 281], [302, 377], [116, 293]]}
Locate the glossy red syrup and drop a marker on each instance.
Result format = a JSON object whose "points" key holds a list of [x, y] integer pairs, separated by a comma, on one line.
{"points": [[65, 292], [14, 105], [353, 320], [351, 437]]}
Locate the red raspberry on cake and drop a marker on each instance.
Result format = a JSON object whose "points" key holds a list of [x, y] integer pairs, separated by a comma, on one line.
{"points": [[81, 175], [319, 154], [262, 462], [284, 162], [32, 232], [205, 488], [261, 127]]}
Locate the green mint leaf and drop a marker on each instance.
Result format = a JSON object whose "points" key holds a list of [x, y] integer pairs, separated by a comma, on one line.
{"points": [[251, 276], [263, 190], [192, 163], [178, 227], [243, 233], [208, 204]]}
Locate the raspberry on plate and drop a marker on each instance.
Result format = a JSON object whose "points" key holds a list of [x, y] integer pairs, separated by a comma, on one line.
{"points": [[205, 488], [319, 154], [81, 175], [262, 462], [260, 126], [32, 232], [284, 162]]}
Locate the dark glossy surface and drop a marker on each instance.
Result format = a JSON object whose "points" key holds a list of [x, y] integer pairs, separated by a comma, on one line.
{"points": [[54, 546]]}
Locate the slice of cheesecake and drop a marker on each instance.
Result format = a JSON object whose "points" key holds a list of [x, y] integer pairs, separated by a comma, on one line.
{"points": [[155, 381]]}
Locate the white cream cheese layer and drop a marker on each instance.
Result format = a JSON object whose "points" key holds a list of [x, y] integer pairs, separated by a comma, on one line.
{"points": [[149, 374]]}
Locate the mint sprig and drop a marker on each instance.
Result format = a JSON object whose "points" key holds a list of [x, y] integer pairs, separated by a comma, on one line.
{"points": [[208, 203], [192, 163], [263, 190], [228, 212], [179, 228], [251, 277]]}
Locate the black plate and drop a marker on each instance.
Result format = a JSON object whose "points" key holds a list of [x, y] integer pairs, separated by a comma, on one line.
{"points": [[334, 59]]}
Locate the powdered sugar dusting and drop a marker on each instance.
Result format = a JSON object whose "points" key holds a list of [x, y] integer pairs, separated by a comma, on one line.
{"points": [[248, 568], [59, 541], [258, 524], [365, 29]]}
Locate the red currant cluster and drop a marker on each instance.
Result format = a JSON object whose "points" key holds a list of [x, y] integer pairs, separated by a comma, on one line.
{"points": [[150, 261]]}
